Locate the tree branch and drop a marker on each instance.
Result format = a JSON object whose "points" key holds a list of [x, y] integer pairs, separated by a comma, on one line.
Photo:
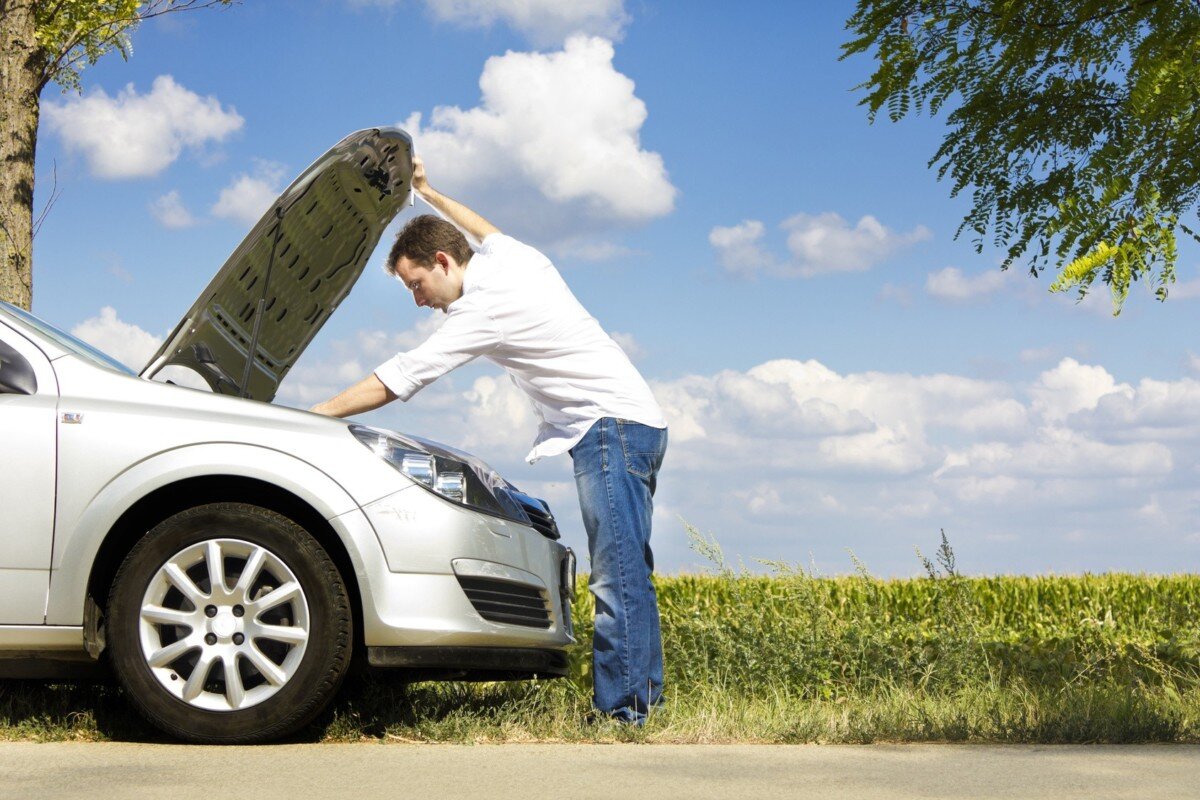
{"points": [[55, 193], [1071, 23], [63, 60]]}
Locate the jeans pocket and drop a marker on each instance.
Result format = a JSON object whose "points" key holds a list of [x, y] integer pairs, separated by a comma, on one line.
{"points": [[642, 447]]}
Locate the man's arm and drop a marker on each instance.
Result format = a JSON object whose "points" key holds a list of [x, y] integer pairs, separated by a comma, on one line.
{"points": [[366, 395], [455, 212]]}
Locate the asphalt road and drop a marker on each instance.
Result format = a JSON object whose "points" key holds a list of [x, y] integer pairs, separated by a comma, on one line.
{"points": [[572, 772]]}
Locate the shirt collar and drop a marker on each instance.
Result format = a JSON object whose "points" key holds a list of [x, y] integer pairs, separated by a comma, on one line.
{"points": [[468, 284], [469, 275]]}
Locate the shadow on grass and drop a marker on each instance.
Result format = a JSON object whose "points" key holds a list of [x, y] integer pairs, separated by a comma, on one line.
{"points": [[41, 711], [374, 706], [383, 706]]}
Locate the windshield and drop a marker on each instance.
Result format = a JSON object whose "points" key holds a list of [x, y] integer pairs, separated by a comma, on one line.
{"points": [[66, 340]]}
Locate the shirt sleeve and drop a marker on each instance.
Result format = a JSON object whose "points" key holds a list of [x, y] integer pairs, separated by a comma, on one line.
{"points": [[467, 334], [491, 241], [514, 250]]}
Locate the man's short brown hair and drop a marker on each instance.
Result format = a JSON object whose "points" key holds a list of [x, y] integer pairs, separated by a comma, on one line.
{"points": [[423, 237]]}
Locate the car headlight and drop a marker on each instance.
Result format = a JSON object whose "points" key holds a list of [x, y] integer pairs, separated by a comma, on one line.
{"points": [[453, 475]]}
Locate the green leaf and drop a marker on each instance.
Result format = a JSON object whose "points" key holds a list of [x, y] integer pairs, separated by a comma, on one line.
{"points": [[1073, 126]]}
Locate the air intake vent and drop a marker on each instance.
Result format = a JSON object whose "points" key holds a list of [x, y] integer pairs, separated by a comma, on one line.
{"points": [[506, 602]]}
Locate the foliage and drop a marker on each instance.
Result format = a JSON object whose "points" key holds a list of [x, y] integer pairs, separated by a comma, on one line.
{"points": [[1075, 124], [73, 34], [793, 656], [944, 633]]}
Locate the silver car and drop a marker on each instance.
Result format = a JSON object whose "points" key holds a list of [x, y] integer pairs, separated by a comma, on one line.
{"points": [[229, 558]]}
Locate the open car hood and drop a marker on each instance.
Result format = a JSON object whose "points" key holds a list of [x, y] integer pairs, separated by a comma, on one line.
{"points": [[293, 269]]}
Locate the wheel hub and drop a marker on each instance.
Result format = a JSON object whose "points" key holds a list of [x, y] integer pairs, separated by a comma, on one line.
{"points": [[225, 624]]}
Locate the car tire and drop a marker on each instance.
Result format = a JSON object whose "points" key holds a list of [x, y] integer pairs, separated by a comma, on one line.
{"points": [[228, 623]]}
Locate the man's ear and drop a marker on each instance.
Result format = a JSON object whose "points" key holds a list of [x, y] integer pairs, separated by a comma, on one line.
{"points": [[441, 261]]}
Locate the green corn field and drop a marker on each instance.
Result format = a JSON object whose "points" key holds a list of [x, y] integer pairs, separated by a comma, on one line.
{"points": [[811, 637]]}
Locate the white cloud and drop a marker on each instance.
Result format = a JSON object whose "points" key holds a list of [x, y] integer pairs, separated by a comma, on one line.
{"points": [[827, 243], [629, 344], [545, 22], [1057, 452], [817, 245], [1072, 387], [1185, 290], [139, 135], [762, 499], [248, 197], [124, 341], [803, 417], [950, 284], [931, 451], [170, 212], [739, 247], [120, 273], [589, 249], [318, 377], [1162, 410], [790, 456], [543, 157], [498, 415]]}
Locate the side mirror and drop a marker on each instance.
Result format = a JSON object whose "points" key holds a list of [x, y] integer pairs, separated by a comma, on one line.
{"points": [[16, 374]]}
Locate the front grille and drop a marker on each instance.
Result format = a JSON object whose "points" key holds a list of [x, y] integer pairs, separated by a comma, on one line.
{"points": [[540, 517], [507, 602]]}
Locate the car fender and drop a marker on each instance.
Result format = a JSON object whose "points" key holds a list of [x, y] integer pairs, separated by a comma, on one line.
{"points": [[77, 542]]}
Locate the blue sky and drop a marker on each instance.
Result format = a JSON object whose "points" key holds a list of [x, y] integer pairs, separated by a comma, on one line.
{"points": [[838, 372]]}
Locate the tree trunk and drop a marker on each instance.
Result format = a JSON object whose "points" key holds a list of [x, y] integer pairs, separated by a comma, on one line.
{"points": [[20, 84]]}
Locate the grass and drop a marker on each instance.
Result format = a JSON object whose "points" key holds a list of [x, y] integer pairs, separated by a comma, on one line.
{"points": [[795, 657]]}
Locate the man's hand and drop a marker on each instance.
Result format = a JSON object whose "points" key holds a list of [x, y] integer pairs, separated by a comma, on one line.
{"points": [[453, 211], [366, 395], [420, 183]]}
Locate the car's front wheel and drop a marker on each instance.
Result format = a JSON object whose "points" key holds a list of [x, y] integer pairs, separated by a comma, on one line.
{"points": [[229, 623]]}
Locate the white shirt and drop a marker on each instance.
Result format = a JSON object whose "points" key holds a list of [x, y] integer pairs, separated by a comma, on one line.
{"points": [[517, 311]]}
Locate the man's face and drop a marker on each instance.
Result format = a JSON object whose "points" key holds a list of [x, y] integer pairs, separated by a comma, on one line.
{"points": [[435, 286]]}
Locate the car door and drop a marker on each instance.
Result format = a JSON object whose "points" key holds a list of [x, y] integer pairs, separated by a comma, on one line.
{"points": [[28, 404]]}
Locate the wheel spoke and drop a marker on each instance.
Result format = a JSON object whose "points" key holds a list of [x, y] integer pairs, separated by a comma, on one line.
{"points": [[196, 610], [216, 567], [184, 584], [288, 634], [164, 656], [268, 668], [235, 692], [195, 681], [278, 597], [157, 615], [249, 573]]}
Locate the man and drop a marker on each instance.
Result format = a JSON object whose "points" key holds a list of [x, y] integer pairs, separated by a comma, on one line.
{"points": [[507, 302]]}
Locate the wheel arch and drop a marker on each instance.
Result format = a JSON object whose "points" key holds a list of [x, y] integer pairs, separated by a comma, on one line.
{"points": [[170, 499]]}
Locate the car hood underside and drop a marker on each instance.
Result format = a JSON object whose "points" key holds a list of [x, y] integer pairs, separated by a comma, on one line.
{"points": [[293, 269]]}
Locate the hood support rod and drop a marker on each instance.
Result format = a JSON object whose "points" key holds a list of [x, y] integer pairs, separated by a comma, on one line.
{"points": [[252, 351]]}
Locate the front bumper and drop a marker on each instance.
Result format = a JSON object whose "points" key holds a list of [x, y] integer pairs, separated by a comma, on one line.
{"points": [[418, 555], [471, 663]]}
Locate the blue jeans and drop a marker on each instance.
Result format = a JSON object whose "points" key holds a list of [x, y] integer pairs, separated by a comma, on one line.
{"points": [[616, 469]]}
